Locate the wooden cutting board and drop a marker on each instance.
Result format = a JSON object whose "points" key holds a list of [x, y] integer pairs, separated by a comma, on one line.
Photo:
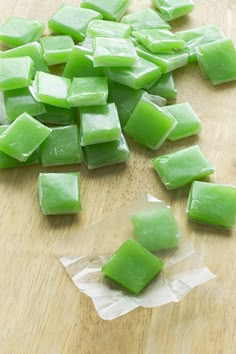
{"points": [[41, 311]]}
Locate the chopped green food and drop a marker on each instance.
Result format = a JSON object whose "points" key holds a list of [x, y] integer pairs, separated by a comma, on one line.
{"points": [[172, 9], [217, 61], [132, 266], [149, 124], [57, 115], [18, 31], [106, 154], [19, 101], [110, 10], [32, 50], [141, 75], [72, 21], [156, 229], [164, 87], [99, 124], [56, 49], [113, 52], [88, 91], [182, 167], [62, 147], [212, 204], [159, 40], [188, 122], [51, 89], [100, 28], [15, 73], [59, 193], [23, 137], [147, 18]]}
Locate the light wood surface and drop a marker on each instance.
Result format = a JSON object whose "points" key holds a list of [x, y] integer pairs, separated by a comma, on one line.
{"points": [[41, 311]]}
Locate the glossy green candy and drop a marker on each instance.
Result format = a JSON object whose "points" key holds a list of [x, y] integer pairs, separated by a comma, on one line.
{"points": [[7, 161], [147, 18], [188, 122], [15, 73], [158, 100], [198, 36], [32, 50], [99, 124], [23, 137], [84, 57], [20, 101], [212, 204], [132, 266], [159, 40], [182, 167], [88, 91], [19, 31], [59, 193], [57, 115], [164, 87], [156, 229], [141, 75], [3, 114], [166, 61], [217, 61], [113, 52], [110, 10], [62, 147], [172, 9], [51, 89], [149, 124], [56, 49], [106, 154], [125, 99], [99, 28], [72, 21]]}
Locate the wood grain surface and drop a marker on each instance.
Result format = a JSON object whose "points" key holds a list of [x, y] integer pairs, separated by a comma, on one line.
{"points": [[41, 311]]}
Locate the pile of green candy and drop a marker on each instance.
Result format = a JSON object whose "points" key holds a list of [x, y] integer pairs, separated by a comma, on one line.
{"points": [[116, 80]]}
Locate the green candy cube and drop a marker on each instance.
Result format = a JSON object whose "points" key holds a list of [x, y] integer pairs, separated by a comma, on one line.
{"points": [[217, 60], [197, 36], [159, 40], [106, 154], [84, 57], [59, 193], [182, 167], [57, 115], [99, 28], [62, 147], [19, 101], [212, 204], [158, 100], [172, 9], [32, 50], [72, 21], [132, 266], [149, 124], [188, 122], [88, 91], [51, 89], [99, 124], [166, 61], [19, 31], [7, 161], [110, 10], [56, 49], [125, 99], [141, 75], [144, 19], [156, 229], [113, 52], [15, 73], [23, 137], [164, 87]]}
